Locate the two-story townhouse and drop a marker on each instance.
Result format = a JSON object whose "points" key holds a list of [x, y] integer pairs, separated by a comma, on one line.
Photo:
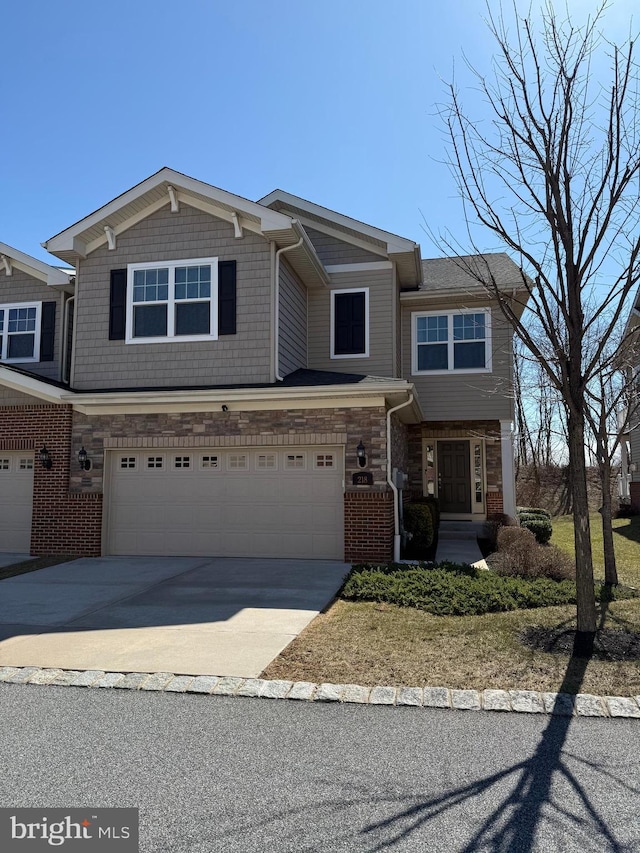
{"points": [[228, 377]]}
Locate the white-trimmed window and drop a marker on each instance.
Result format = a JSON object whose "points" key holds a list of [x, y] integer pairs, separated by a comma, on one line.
{"points": [[350, 323], [127, 463], [209, 462], [459, 341], [20, 331], [172, 301]]}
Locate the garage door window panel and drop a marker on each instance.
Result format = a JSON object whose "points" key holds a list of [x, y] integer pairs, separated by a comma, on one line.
{"points": [[210, 463], [172, 301], [155, 463]]}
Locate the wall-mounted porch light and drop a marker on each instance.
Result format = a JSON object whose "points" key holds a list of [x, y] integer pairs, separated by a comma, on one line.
{"points": [[83, 460], [45, 457], [361, 453]]}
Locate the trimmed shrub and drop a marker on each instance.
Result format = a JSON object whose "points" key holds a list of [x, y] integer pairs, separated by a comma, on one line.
{"points": [[445, 592], [519, 555], [458, 589], [540, 527], [534, 510], [418, 521]]}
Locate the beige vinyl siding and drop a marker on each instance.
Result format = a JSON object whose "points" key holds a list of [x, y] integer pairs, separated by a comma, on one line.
{"points": [[21, 287], [293, 321], [460, 396], [381, 358], [333, 251], [164, 236]]}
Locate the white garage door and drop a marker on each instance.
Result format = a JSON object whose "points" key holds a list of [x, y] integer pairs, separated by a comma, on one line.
{"points": [[271, 502], [16, 500]]}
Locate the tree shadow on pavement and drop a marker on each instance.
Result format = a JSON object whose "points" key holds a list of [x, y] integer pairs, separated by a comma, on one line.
{"points": [[512, 825]]}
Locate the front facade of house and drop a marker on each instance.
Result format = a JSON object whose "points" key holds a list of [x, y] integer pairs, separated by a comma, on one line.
{"points": [[246, 379]]}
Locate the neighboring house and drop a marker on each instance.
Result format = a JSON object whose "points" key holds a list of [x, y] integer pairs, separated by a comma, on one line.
{"points": [[245, 378]]}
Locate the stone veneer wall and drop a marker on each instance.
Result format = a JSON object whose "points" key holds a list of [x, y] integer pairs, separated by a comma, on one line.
{"points": [[63, 523]]}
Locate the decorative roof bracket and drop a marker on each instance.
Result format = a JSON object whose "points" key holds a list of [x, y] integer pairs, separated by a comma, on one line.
{"points": [[6, 262], [237, 228], [111, 237], [174, 199]]}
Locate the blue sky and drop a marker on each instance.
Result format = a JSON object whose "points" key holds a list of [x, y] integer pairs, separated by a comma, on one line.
{"points": [[334, 101]]}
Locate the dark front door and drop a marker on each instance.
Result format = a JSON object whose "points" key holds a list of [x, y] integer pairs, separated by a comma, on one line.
{"points": [[454, 476]]}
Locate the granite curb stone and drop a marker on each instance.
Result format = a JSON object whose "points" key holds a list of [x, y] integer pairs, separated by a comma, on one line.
{"points": [[86, 678], [516, 701]]}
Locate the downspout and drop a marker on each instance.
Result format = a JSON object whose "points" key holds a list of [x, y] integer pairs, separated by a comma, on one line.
{"points": [[277, 298], [394, 488], [65, 340]]}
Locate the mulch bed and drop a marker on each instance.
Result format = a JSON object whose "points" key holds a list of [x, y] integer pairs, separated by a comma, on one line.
{"points": [[610, 644]]}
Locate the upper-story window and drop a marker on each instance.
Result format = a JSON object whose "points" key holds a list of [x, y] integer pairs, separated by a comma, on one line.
{"points": [[459, 341], [20, 331], [350, 323], [174, 300]]}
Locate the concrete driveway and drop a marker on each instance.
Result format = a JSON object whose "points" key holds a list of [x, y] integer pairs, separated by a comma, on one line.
{"points": [[187, 615]]}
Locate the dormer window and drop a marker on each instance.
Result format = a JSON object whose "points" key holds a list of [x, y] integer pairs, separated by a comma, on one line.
{"points": [[172, 301]]}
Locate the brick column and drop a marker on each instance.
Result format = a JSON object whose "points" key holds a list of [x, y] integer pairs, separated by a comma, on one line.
{"points": [[368, 526], [62, 523]]}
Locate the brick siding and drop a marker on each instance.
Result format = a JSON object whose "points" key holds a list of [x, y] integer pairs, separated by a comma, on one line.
{"points": [[368, 526], [62, 523]]}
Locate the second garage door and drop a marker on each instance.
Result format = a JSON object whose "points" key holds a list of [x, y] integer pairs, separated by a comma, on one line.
{"points": [[16, 499], [257, 502]]}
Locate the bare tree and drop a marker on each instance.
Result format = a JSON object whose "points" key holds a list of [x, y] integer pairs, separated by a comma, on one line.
{"points": [[612, 408], [554, 174]]}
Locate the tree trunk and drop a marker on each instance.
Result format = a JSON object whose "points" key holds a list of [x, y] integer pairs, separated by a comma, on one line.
{"points": [[610, 570], [585, 589]]}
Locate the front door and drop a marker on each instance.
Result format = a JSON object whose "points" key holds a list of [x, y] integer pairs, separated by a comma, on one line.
{"points": [[454, 476]]}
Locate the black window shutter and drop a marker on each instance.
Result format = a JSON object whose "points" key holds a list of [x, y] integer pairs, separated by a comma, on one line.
{"points": [[118, 305], [227, 298], [47, 330], [349, 319]]}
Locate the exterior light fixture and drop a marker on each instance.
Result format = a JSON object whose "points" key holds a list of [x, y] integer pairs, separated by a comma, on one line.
{"points": [[45, 457], [633, 467], [85, 463], [361, 453]]}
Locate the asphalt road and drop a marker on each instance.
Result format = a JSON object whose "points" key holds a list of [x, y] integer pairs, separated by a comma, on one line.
{"points": [[226, 774]]}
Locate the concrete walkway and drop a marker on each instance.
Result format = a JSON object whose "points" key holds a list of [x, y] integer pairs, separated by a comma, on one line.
{"points": [[185, 615], [458, 542], [8, 559]]}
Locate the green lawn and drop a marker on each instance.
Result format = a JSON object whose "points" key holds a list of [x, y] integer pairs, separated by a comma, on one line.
{"points": [[626, 542]]}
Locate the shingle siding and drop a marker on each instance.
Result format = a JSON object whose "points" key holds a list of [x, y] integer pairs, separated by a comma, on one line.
{"points": [[21, 287], [163, 236], [381, 359], [331, 250], [464, 396], [293, 321]]}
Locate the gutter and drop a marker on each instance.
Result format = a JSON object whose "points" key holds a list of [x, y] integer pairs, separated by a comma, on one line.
{"points": [[277, 306], [394, 488]]}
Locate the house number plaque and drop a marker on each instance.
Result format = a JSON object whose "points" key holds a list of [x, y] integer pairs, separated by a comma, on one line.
{"points": [[363, 478]]}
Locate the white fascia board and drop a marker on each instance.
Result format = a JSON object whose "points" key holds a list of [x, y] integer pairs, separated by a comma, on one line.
{"points": [[64, 241], [263, 398], [53, 276], [394, 242], [32, 386]]}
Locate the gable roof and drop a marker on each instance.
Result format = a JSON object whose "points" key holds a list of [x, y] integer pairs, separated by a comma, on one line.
{"points": [[166, 187], [52, 276], [406, 253]]}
